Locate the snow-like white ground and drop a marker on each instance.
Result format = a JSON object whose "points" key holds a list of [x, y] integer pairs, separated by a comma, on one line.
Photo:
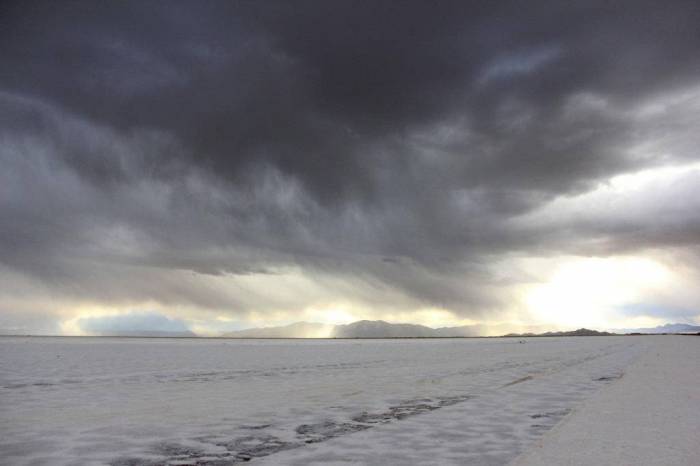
{"points": [[650, 417], [221, 402]]}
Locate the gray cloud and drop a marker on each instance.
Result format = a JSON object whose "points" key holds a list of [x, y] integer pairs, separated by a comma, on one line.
{"points": [[387, 148]]}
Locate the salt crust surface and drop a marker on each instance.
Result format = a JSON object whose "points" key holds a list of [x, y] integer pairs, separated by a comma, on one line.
{"points": [[91, 401], [651, 417]]}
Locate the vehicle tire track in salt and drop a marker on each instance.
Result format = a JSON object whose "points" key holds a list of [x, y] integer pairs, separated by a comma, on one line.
{"points": [[246, 448]]}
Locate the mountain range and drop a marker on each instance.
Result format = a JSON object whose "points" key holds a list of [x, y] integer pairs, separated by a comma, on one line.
{"points": [[667, 328], [360, 329], [295, 330], [582, 332], [382, 329], [370, 329]]}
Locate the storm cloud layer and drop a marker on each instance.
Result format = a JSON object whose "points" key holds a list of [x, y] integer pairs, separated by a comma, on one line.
{"points": [[264, 157]]}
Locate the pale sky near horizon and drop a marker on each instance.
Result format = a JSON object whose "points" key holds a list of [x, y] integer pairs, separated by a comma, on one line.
{"points": [[212, 166]]}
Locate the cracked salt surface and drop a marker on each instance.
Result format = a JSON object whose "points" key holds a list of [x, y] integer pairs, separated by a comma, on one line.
{"points": [[152, 402]]}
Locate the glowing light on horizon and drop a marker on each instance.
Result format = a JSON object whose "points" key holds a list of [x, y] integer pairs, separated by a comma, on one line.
{"points": [[586, 292]]}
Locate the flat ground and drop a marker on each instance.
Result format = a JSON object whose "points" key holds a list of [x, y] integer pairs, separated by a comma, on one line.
{"points": [[447, 401], [651, 416]]}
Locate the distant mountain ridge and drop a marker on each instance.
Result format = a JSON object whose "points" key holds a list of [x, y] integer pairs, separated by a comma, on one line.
{"points": [[667, 328], [380, 329], [359, 329], [295, 330], [582, 332]]}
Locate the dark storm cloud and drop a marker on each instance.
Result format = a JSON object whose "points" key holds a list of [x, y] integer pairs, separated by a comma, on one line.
{"points": [[236, 137], [310, 86]]}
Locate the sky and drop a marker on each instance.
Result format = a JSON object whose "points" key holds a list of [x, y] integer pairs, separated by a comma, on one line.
{"points": [[213, 166]]}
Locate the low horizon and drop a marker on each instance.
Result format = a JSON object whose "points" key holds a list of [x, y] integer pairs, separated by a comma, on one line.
{"points": [[666, 328]]}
